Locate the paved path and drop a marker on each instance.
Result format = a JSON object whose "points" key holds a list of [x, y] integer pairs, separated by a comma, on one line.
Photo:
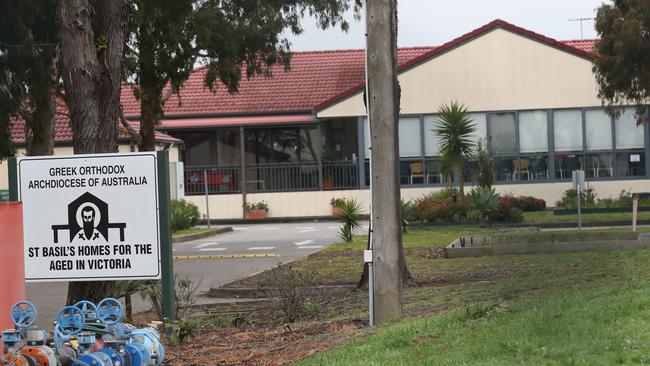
{"points": [[247, 250]]}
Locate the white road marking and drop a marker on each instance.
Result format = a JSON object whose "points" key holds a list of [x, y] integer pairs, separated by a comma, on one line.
{"points": [[304, 228], [211, 249], [311, 247], [333, 227], [307, 231], [304, 242], [203, 245], [239, 228], [271, 228], [261, 248]]}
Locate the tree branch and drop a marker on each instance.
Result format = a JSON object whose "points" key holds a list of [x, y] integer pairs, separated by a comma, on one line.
{"points": [[167, 95], [134, 135]]}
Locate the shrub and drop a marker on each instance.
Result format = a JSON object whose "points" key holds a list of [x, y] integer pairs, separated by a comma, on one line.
{"points": [[529, 203], [569, 198], [181, 329], [484, 200], [185, 296], [261, 205], [507, 211], [337, 202], [294, 293], [434, 207], [184, 214], [349, 214]]}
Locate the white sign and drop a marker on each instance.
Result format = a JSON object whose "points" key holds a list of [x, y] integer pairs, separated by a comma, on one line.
{"points": [[90, 217], [578, 178], [635, 158]]}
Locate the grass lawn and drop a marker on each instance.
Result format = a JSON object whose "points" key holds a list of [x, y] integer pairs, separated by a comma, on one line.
{"points": [[544, 309], [193, 230], [594, 326], [547, 216]]}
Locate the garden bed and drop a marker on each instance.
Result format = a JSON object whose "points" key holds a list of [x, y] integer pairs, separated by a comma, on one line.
{"points": [[545, 242]]}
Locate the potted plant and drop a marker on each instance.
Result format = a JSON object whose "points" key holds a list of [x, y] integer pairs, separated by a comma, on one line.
{"points": [[256, 211], [337, 205], [327, 157]]}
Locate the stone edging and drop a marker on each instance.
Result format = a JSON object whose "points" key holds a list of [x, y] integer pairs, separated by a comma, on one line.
{"points": [[201, 235]]}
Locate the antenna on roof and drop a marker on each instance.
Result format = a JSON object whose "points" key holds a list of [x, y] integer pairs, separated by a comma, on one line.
{"points": [[581, 20]]}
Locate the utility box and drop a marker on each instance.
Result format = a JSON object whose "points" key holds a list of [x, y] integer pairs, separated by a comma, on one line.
{"points": [[12, 261], [176, 180]]}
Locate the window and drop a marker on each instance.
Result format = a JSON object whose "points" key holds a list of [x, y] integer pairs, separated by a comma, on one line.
{"points": [[197, 148], [565, 163], [598, 126], [533, 131], [568, 130], [431, 139], [628, 134], [410, 144], [502, 133], [599, 165], [630, 164]]}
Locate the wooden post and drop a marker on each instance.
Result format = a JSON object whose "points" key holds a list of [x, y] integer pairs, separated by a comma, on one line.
{"points": [[635, 209], [385, 195]]}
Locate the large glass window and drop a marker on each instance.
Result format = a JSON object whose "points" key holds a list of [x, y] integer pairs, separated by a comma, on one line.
{"points": [[599, 165], [503, 138], [628, 134], [197, 148], [282, 145], [339, 139], [431, 139], [598, 126], [565, 163], [630, 164], [533, 131], [568, 130], [410, 144]]}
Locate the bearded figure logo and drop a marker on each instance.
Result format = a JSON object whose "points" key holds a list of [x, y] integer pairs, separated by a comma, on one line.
{"points": [[88, 221]]}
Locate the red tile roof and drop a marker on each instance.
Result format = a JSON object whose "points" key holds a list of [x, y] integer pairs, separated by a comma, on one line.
{"points": [[315, 81], [587, 45], [314, 77], [63, 131]]}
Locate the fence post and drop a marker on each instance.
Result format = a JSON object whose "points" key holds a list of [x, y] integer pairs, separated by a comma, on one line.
{"points": [[242, 175], [207, 197]]}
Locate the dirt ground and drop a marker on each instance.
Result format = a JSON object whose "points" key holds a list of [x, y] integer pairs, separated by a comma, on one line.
{"points": [[258, 345]]}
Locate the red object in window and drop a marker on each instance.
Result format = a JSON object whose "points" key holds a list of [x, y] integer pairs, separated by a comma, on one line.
{"points": [[12, 261], [214, 178]]}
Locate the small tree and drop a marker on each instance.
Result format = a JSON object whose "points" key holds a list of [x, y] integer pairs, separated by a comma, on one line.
{"points": [[486, 167], [454, 128]]}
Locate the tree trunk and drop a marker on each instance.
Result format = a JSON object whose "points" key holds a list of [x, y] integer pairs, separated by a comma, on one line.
{"points": [[39, 125], [81, 69], [92, 85], [461, 180], [387, 236], [110, 22], [150, 92]]}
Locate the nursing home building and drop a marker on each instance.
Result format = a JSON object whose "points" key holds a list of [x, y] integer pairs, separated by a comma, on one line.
{"points": [[299, 138]]}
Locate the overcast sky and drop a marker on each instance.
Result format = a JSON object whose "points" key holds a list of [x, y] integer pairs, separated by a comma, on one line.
{"points": [[434, 22]]}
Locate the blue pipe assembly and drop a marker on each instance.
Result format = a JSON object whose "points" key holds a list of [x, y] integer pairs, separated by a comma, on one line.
{"points": [[83, 335]]}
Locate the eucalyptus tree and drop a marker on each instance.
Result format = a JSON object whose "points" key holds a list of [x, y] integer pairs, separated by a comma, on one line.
{"points": [[622, 65], [231, 38]]}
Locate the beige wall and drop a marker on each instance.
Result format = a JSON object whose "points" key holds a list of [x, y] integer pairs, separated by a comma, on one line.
{"points": [[67, 150], [317, 203], [500, 70]]}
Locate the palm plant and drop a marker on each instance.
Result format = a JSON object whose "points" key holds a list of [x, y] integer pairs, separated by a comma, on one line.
{"points": [[485, 201], [349, 214], [454, 128]]}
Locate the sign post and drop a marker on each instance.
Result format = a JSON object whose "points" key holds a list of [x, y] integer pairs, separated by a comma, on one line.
{"points": [[578, 183], [635, 209], [96, 217]]}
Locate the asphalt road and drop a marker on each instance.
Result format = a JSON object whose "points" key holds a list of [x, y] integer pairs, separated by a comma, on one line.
{"points": [[217, 260]]}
